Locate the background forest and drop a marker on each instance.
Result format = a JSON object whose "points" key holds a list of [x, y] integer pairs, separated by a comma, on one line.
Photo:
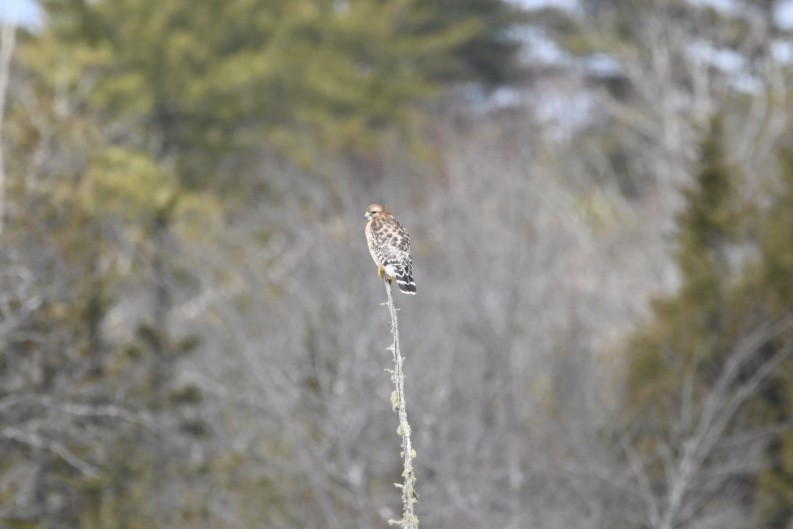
{"points": [[600, 197]]}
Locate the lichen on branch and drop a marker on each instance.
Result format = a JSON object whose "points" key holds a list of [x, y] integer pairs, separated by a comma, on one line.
{"points": [[398, 403]]}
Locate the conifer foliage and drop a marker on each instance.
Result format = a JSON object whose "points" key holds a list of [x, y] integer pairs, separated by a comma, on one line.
{"points": [[710, 373]]}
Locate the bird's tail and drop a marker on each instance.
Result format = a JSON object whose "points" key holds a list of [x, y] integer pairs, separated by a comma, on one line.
{"points": [[404, 279]]}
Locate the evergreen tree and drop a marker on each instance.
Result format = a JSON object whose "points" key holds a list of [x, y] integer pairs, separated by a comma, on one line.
{"points": [[695, 320], [203, 80], [490, 54], [775, 280], [706, 226], [85, 394], [689, 365], [693, 356]]}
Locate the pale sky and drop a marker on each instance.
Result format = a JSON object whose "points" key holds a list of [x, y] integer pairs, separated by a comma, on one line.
{"points": [[22, 12]]}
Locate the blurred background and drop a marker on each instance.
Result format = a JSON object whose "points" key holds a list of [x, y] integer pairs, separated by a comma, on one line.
{"points": [[600, 198]]}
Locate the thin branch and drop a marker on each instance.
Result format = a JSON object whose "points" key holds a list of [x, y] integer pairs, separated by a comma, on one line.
{"points": [[59, 449], [409, 519]]}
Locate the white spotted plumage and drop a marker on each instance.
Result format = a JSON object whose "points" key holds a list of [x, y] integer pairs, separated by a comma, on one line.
{"points": [[389, 244]]}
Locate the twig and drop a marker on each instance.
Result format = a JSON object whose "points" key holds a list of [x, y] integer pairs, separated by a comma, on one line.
{"points": [[36, 441], [409, 519]]}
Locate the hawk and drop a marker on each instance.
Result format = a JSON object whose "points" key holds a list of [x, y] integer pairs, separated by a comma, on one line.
{"points": [[389, 244]]}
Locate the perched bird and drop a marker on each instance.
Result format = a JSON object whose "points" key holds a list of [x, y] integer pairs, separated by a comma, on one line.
{"points": [[389, 244]]}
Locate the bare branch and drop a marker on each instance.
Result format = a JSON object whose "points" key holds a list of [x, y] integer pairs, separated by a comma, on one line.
{"points": [[409, 519], [35, 441]]}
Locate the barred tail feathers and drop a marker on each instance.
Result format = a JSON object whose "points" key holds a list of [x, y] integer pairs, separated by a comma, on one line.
{"points": [[404, 279], [403, 276]]}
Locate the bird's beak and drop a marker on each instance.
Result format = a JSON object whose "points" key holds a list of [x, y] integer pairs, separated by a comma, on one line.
{"points": [[366, 215]]}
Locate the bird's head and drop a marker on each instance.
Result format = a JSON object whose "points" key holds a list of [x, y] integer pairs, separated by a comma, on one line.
{"points": [[374, 211]]}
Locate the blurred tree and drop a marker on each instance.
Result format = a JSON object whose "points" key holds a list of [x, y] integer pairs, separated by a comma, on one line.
{"points": [[657, 70], [709, 376], [689, 320], [489, 54], [707, 225], [775, 278], [123, 118], [86, 398], [126, 117], [8, 32], [203, 80]]}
